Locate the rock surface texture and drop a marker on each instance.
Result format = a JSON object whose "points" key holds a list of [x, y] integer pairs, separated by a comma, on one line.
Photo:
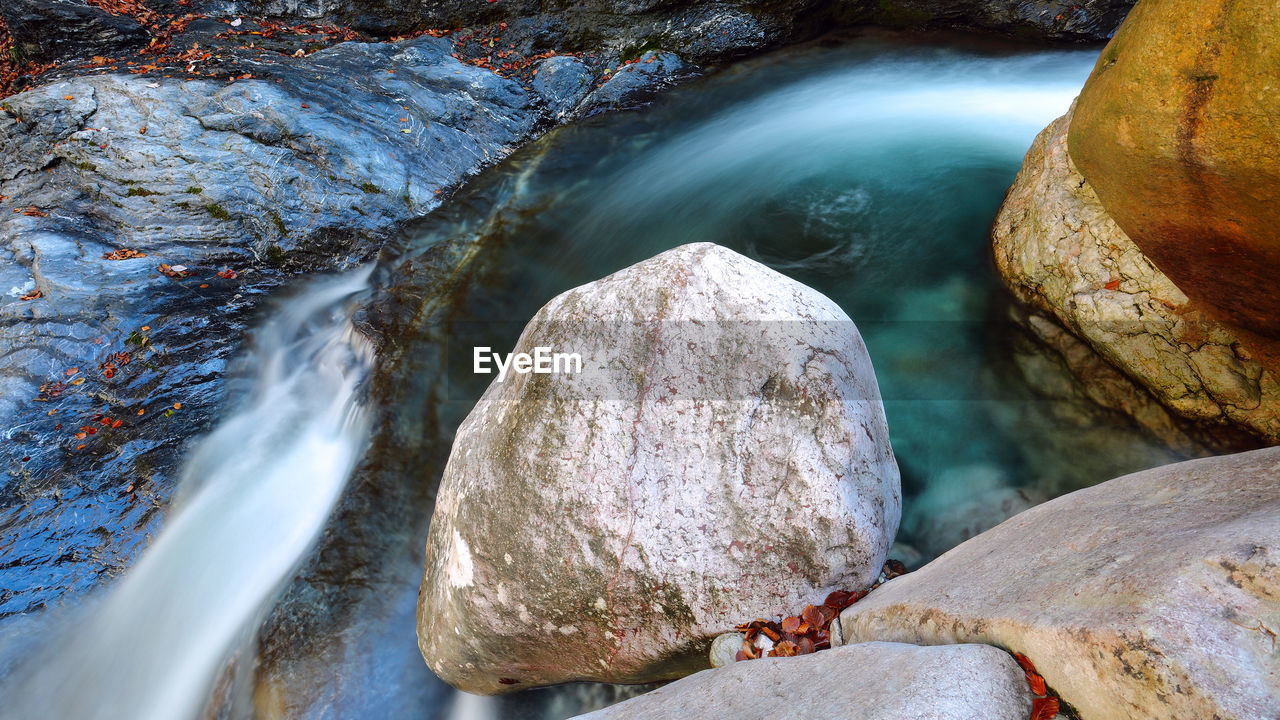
{"points": [[869, 681], [242, 184], [1060, 251], [46, 30], [1154, 595], [723, 454], [1178, 132]]}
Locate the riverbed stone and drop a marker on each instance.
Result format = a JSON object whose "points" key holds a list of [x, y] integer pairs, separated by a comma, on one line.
{"points": [[1178, 132], [1154, 595], [722, 456], [562, 82], [632, 84], [868, 681], [1060, 251]]}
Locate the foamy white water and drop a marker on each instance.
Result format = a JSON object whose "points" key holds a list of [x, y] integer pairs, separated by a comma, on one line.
{"points": [[472, 707], [253, 497]]}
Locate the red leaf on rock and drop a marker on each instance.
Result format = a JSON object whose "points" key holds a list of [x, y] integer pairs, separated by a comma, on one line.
{"points": [[786, 648], [1113, 285], [813, 616], [1045, 708], [1024, 662], [805, 646], [1036, 682], [839, 599], [790, 625]]}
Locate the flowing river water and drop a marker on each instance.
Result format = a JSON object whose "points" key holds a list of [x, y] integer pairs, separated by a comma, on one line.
{"points": [[868, 167]]}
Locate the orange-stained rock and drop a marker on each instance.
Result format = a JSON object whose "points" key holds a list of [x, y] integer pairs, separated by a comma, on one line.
{"points": [[1178, 131]]}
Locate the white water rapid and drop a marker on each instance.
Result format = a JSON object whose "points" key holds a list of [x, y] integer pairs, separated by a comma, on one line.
{"points": [[252, 500]]}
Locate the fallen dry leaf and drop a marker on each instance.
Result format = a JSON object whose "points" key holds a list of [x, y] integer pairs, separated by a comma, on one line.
{"points": [[1044, 708]]}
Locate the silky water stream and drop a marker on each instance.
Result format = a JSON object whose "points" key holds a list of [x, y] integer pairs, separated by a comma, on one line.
{"points": [[868, 167]]}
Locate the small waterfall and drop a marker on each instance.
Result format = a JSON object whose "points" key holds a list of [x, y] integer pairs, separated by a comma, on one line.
{"points": [[252, 500]]}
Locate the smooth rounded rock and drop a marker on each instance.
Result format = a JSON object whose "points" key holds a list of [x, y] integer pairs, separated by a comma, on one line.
{"points": [[1178, 131], [870, 681], [722, 456]]}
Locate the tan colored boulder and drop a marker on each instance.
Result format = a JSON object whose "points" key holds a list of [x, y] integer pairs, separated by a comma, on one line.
{"points": [[1154, 595], [1060, 251], [871, 681], [1178, 131], [722, 455]]}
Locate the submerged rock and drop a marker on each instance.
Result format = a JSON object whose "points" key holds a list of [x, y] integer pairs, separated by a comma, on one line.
{"points": [[723, 454], [1154, 595], [1060, 251], [870, 681], [1178, 132]]}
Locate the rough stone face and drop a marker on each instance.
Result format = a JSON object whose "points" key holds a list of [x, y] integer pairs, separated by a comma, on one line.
{"points": [[1059, 250], [49, 30], [723, 454], [1178, 131], [562, 82], [262, 177], [869, 681], [1154, 595], [632, 84], [1061, 19]]}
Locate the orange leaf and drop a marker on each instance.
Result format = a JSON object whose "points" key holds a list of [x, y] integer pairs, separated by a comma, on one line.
{"points": [[1036, 682], [813, 616], [1045, 708]]}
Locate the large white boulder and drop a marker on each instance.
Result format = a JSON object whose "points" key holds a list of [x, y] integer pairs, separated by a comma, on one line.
{"points": [[722, 455]]}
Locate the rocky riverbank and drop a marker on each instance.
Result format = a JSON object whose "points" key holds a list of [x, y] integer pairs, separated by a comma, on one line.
{"points": [[1109, 229], [167, 170], [178, 163]]}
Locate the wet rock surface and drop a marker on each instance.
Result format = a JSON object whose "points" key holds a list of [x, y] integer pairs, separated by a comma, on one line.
{"points": [[1151, 595], [65, 31], [869, 681], [607, 525], [233, 188], [1060, 252], [635, 83]]}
